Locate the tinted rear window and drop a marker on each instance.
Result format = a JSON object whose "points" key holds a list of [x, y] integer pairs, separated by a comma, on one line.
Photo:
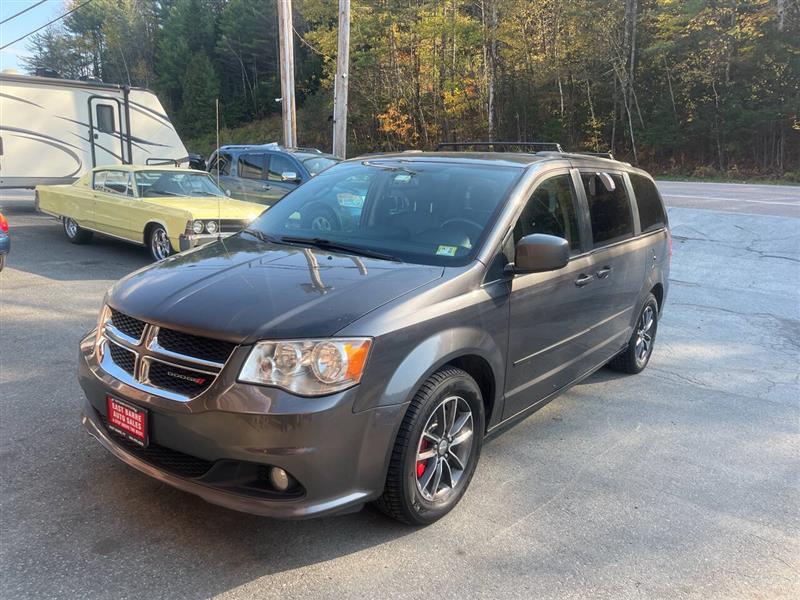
{"points": [[648, 200], [610, 211]]}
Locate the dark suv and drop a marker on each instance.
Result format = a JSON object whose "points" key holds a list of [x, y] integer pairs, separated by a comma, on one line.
{"points": [[288, 374], [265, 173]]}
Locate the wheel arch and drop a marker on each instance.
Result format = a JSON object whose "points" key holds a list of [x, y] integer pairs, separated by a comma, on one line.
{"points": [[151, 223], [467, 348]]}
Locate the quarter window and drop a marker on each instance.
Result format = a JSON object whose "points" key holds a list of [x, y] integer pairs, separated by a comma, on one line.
{"points": [[118, 182], [99, 180], [609, 209], [551, 210], [648, 201], [251, 166]]}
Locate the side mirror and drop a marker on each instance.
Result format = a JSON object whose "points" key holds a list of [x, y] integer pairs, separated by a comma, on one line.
{"points": [[289, 176], [540, 252]]}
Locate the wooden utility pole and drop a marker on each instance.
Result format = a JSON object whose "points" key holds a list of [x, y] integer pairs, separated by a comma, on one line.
{"points": [[340, 86], [286, 41]]}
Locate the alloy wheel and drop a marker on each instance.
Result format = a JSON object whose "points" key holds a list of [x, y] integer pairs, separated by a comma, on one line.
{"points": [[644, 334], [159, 244], [442, 453], [71, 227]]}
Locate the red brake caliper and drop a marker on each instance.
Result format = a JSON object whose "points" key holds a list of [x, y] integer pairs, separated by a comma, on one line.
{"points": [[421, 463]]}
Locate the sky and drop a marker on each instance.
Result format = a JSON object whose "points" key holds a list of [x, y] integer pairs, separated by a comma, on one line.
{"points": [[9, 58]]}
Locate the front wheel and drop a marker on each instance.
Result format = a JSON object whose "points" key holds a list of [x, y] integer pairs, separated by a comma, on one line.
{"points": [[436, 450], [75, 233], [160, 246], [640, 345]]}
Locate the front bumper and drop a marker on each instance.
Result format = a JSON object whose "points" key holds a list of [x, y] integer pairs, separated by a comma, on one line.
{"points": [[186, 242], [338, 456]]}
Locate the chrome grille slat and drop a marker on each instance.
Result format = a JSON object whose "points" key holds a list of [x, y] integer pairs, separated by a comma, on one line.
{"points": [[177, 376]]}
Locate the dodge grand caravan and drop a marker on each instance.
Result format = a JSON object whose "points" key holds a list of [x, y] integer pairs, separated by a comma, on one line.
{"points": [[291, 371]]}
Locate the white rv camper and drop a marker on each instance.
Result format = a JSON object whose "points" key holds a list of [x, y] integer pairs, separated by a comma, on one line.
{"points": [[53, 131]]}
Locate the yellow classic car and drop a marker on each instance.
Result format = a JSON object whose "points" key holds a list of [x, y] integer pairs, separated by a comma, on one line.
{"points": [[163, 208]]}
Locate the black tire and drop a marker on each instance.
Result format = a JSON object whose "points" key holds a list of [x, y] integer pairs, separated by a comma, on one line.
{"points": [[158, 243], [2, 261], [635, 358], [319, 217], [402, 497], [75, 233]]}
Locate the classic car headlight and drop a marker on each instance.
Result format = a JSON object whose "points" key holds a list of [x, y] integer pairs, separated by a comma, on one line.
{"points": [[198, 226], [211, 227], [307, 367]]}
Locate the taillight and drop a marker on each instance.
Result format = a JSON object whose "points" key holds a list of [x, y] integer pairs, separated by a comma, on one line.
{"points": [[3, 224]]}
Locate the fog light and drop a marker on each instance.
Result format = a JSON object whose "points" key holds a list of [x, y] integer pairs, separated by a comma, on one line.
{"points": [[279, 479]]}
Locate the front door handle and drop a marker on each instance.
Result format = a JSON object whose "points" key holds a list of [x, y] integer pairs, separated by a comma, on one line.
{"points": [[265, 187], [584, 280], [604, 272]]}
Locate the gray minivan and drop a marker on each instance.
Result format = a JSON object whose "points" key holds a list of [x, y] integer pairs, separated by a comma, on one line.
{"points": [[291, 371]]}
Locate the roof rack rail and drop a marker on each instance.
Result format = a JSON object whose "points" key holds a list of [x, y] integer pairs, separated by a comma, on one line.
{"points": [[502, 146], [597, 154]]}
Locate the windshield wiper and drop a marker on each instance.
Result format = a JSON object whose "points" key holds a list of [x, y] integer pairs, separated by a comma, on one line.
{"points": [[261, 235], [341, 247]]}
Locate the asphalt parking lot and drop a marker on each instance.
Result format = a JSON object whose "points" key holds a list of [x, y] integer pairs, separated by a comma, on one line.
{"points": [[681, 482]]}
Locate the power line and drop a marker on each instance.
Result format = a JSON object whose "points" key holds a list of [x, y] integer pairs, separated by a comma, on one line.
{"points": [[22, 12], [66, 14]]}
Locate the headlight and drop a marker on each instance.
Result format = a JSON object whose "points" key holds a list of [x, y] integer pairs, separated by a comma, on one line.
{"points": [[197, 227], [307, 367], [105, 314], [211, 227]]}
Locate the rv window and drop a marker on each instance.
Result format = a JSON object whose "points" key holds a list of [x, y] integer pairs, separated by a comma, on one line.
{"points": [[105, 118]]}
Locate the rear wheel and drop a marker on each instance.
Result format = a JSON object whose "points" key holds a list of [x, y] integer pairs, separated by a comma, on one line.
{"points": [[436, 450], [640, 346], [75, 233], [160, 246]]}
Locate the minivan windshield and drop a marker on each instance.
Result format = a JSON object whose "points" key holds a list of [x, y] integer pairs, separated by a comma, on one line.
{"points": [[433, 213], [153, 184]]}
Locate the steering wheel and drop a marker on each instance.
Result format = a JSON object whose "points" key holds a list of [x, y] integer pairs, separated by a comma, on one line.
{"points": [[478, 228]]}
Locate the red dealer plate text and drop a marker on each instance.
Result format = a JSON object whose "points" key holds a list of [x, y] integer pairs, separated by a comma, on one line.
{"points": [[127, 420]]}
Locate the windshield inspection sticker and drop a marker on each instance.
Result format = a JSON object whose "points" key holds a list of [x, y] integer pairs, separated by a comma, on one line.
{"points": [[446, 250]]}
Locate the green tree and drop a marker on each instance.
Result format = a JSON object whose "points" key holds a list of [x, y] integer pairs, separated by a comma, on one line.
{"points": [[200, 90]]}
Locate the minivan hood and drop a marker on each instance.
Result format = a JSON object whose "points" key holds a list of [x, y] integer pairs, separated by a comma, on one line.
{"points": [[243, 290]]}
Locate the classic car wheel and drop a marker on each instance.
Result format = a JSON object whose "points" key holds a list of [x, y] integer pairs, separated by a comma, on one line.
{"points": [[75, 233], [436, 450], [160, 247]]}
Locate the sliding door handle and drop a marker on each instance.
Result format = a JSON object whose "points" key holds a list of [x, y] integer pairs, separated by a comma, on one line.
{"points": [[584, 280], [604, 272]]}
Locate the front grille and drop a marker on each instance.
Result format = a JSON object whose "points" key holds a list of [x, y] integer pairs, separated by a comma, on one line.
{"points": [[127, 325], [195, 346], [122, 357], [170, 460], [179, 380], [231, 225]]}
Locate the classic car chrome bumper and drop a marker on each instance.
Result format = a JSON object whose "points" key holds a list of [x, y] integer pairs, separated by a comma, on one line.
{"points": [[193, 240]]}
